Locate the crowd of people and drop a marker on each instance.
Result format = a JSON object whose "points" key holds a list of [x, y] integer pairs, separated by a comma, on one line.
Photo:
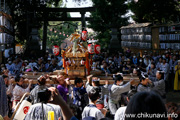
{"points": [[157, 73]]}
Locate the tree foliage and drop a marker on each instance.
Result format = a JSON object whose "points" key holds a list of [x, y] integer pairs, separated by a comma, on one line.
{"points": [[21, 8], [56, 34], [108, 14], [158, 11], [22, 11]]}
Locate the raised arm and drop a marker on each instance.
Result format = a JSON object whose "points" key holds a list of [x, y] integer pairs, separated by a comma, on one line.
{"points": [[57, 99]]}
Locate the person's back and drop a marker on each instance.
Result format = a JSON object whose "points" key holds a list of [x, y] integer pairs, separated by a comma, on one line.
{"points": [[159, 87], [144, 84], [91, 110], [37, 113], [36, 90], [120, 113], [142, 88], [39, 87]]}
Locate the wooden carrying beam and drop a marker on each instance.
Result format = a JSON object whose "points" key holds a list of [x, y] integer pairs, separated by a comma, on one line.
{"points": [[102, 82], [103, 78]]}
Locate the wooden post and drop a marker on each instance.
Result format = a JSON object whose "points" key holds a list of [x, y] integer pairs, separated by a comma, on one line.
{"points": [[44, 36], [83, 21], [155, 38]]}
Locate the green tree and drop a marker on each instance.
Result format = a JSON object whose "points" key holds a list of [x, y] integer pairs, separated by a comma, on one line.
{"points": [[108, 14], [156, 11], [19, 14], [56, 34]]}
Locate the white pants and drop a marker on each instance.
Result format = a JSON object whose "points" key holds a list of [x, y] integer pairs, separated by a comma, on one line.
{"points": [[113, 107]]}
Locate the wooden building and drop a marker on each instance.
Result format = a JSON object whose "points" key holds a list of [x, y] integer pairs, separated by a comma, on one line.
{"points": [[155, 38], [6, 32]]}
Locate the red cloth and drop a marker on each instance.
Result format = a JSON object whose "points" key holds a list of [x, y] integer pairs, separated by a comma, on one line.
{"points": [[99, 106]]}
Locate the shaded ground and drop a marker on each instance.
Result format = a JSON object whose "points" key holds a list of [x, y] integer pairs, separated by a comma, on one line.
{"points": [[173, 97]]}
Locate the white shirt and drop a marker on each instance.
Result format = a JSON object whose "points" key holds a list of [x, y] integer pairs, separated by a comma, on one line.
{"points": [[18, 92], [120, 113], [93, 112], [36, 113]]}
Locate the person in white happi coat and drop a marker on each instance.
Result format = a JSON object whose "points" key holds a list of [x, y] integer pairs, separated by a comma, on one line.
{"points": [[115, 93]]}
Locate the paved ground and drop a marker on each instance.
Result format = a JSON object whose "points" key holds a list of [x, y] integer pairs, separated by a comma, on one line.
{"points": [[173, 97]]}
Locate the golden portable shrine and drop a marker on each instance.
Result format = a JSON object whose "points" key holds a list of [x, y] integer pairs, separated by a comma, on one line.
{"points": [[76, 58]]}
